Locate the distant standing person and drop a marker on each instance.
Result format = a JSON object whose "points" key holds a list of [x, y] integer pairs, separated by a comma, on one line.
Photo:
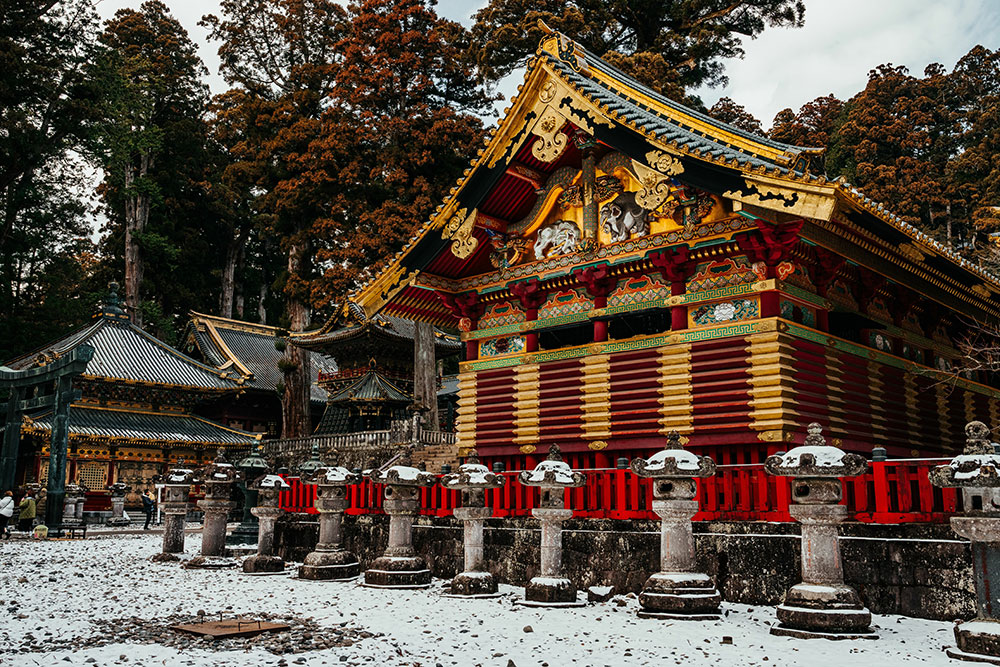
{"points": [[6, 512], [147, 506], [26, 512]]}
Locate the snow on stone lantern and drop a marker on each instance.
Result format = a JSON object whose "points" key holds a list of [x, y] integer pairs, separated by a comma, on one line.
{"points": [[822, 606], [473, 479], [118, 491], [400, 566], [267, 512], [976, 471], [552, 476], [678, 590], [330, 560], [176, 489], [217, 479]]}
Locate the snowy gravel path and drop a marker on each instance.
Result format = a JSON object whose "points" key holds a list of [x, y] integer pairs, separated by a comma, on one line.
{"points": [[53, 590]]}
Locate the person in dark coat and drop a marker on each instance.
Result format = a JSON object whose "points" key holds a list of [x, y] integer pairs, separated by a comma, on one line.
{"points": [[147, 507], [26, 513]]}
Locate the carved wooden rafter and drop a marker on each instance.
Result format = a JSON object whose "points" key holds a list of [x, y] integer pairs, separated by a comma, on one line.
{"points": [[824, 271], [675, 264], [530, 293], [773, 244], [867, 287], [597, 280]]}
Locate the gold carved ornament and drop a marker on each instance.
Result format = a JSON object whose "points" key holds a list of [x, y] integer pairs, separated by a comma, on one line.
{"points": [[527, 449], [597, 445], [459, 230], [655, 180], [551, 141]]}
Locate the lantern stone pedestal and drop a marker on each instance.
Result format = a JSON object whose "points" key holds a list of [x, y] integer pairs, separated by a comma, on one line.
{"points": [[977, 472], [678, 590], [176, 487], [73, 493], [267, 512], [400, 566], [822, 606], [251, 467], [330, 561], [472, 479], [553, 476], [217, 479], [118, 491]]}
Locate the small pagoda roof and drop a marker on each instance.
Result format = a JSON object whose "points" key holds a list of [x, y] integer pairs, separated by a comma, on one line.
{"points": [[249, 349], [371, 388], [125, 353], [567, 88], [141, 426], [349, 325]]}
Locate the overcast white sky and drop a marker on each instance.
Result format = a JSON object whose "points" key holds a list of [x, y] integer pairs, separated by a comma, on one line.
{"points": [[841, 41]]}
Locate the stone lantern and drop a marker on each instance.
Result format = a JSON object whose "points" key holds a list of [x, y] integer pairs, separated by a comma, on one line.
{"points": [[473, 479], [330, 560], [118, 491], [822, 605], [81, 500], [678, 590], [176, 489], [267, 512], [73, 494], [217, 480], [977, 472], [250, 467], [400, 566], [552, 476]]}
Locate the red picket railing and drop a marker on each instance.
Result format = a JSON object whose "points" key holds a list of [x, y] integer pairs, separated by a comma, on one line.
{"points": [[889, 492]]}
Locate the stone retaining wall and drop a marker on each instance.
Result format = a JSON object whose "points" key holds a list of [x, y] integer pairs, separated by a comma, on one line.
{"points": [[913, 570]]}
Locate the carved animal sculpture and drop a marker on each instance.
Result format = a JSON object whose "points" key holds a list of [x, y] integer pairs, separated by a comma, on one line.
{"points": [[621, 218], [559, 238]]}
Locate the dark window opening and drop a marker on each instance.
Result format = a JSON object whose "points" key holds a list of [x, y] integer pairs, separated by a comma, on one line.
{"points": [[645, 323], [570, 336]]}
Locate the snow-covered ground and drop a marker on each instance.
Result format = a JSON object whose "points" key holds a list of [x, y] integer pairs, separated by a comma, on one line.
{"points": [[55, 591]]}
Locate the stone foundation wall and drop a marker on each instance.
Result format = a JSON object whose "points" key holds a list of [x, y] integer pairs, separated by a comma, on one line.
{"points": [[913, 570]]}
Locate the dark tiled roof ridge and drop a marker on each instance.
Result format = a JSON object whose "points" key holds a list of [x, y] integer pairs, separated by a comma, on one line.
{"points": [[630, 82]]}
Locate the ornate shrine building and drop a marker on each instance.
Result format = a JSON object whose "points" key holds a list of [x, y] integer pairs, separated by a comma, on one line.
{"points": [[374, 382], [621, 266], [254, 352], [135, 414]]}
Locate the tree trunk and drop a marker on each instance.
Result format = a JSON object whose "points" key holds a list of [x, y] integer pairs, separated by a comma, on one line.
{"points": [[233, 253], [424, 375], [238, 297], [295, 401], [136, 216]]}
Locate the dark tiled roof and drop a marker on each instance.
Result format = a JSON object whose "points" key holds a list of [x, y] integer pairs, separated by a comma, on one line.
{"points": [[371, 387], [147, 427], [666, 127], [123, 351], [449, 386], [387, 326], [252, 347]]}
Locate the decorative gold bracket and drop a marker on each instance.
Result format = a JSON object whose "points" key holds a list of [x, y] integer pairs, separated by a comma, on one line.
{"points": [[459, 230], [552, 141]]}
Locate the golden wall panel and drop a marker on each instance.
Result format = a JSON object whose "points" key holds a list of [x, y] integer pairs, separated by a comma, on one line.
{"points": [[596, 396], [676, 399]]}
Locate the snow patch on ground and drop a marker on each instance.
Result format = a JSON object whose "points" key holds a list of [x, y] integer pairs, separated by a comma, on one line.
{"points": [[53, 589]]}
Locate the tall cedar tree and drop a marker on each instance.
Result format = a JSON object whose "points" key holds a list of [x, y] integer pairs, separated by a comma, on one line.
{"points": [[671, 46], [348, 127], [49, 104], [895, 142], [736, 115], [280, 56], [154, 144], [814, 124]]}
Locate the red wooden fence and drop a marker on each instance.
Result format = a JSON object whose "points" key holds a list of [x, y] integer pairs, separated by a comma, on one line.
{"points": [[890, 492]]}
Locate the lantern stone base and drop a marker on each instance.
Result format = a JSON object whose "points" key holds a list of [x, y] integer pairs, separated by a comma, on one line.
{"points": [[822, 609], [258, 564], [398, 572], [978, 641], [330, 566], [473, 583], [680, 595], [550, 591]]}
